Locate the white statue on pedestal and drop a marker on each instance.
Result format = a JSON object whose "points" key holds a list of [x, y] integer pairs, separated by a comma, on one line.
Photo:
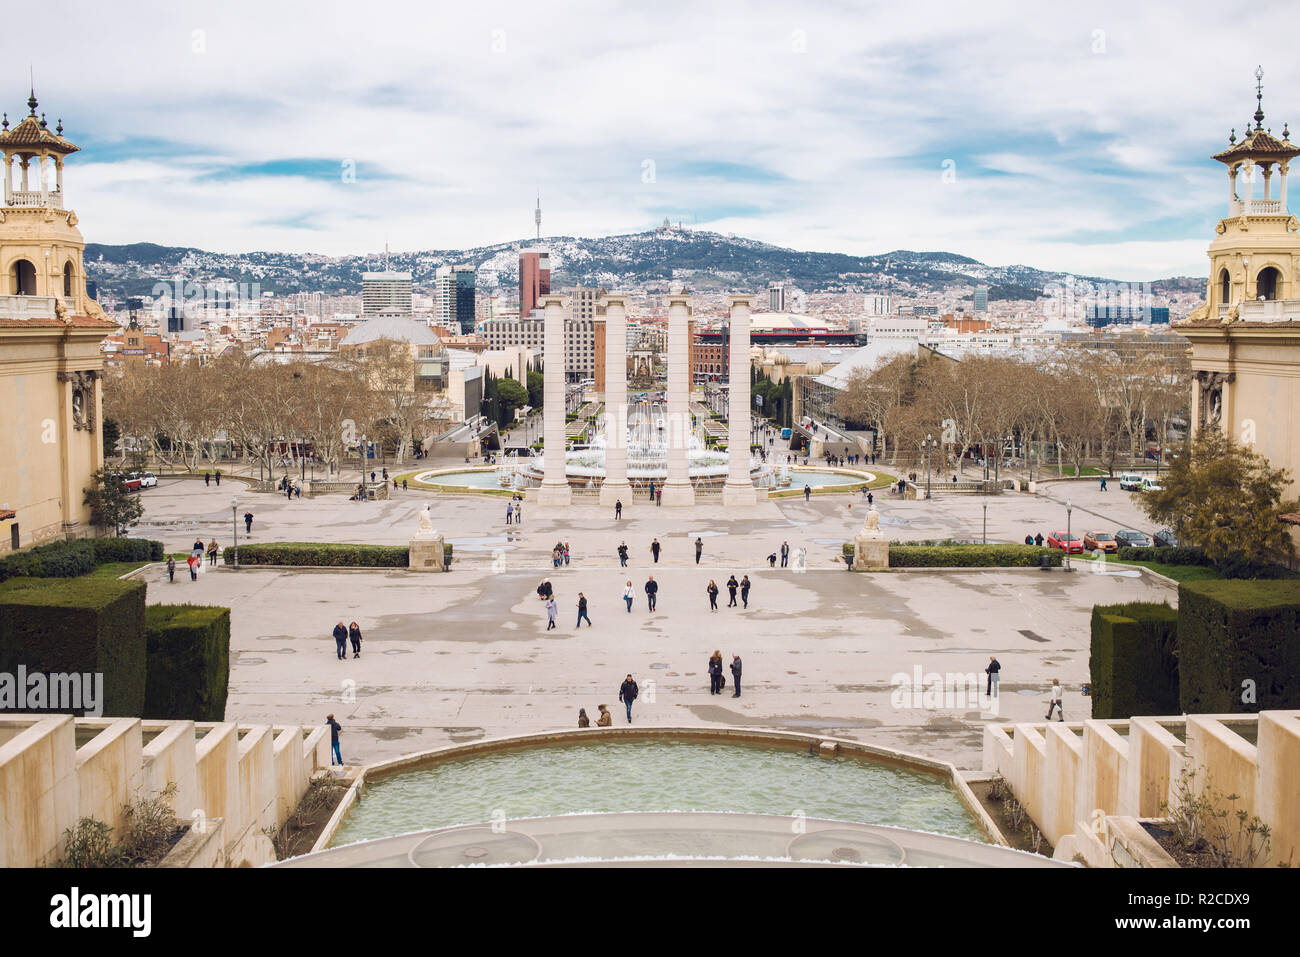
{"points": [[426, 521], [871, 527]]}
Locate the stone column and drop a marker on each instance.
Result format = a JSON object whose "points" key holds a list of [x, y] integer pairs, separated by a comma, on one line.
{"points": [[555, 484], [739, 489], [615, 487], [678, 489]]}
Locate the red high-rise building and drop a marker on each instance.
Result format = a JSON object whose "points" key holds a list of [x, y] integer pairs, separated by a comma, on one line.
{"points": [[534, 279]]}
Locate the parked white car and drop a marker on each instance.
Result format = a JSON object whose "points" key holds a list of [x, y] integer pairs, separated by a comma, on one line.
{"points": [[1151, 485], [1130, 481], [147, 479]]}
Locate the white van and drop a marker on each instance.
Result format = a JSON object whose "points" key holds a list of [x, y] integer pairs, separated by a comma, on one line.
{"points": [[1130, 481]]}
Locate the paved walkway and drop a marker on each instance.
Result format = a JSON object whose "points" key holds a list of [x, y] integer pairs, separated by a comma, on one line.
{"points": [[453, 658]]}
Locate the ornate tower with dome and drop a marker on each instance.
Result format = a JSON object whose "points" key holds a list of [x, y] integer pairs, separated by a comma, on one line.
{"points": [[50, 333], [1245, 338]]}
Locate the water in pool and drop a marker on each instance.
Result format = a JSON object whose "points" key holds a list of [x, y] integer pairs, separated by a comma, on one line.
{"points": [[654, 776]]}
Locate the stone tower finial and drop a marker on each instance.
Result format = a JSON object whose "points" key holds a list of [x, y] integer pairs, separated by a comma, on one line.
{"points": [[1259, 97], [31, 103]]}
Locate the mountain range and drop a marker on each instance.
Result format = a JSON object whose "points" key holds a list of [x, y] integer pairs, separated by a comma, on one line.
{"points": [[701, 260]]}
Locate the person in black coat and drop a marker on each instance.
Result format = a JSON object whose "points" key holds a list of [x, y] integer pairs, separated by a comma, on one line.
{"points": [[341, 640], [627, 693], [732, 585], [622, 555], [735, 674], [715, 673], [354, 633], [651, 592], [713, 595], [744, 590]]}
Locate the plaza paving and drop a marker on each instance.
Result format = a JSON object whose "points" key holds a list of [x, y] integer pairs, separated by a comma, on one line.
{"points": [[454, 658]]}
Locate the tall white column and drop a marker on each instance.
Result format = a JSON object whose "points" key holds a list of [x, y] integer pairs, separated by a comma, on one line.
{"points": [[615, 487], [739, 489], [555, 484], [678, 489], [1283, 168]]}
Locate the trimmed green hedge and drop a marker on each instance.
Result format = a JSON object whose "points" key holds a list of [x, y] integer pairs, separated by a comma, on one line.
{"points": [[188, 648], [971, 556], [78, 625], [1190, 555], [1133, 660], [78, 557], [1176, 555], [1233, 631], [330, 554]]}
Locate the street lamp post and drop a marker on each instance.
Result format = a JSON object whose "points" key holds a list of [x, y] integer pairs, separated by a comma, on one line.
{"points": [[986, 521], [928, 444], [1069, 510], [234, 525]]}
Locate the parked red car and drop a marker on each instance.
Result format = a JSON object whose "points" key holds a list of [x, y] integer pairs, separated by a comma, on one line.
{"points": [[1070, 544]]}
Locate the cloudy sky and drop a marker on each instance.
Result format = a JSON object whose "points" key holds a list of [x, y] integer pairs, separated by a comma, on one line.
{"points": [[1074, 138]]}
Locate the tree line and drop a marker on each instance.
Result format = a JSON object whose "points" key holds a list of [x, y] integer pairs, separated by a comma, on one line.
{"points": [[1086, 405]]}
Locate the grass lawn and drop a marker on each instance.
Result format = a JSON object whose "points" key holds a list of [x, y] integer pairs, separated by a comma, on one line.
{"points": [[1179, 573], [118, 569]]}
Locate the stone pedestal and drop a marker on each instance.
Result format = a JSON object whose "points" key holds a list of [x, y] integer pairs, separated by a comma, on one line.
{"points": [[426, 551], [870, 553]]}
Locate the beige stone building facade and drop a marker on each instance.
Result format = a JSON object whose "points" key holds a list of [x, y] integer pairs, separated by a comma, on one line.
{"points": [[50, 331], [1245, 339]]}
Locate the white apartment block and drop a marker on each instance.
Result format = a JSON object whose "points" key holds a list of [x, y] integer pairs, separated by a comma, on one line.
{"points": [[385, 294], [579, 341]]}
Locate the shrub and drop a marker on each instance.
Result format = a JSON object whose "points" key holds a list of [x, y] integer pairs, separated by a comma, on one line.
{"points": [[329, 554], [79, 557], [188, 663], [1132, 661], [1176, 555], [1231, 632], [78, 625], [970, 556]]}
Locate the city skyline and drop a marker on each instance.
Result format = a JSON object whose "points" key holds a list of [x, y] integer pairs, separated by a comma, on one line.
{"points": [[1062, 142]]}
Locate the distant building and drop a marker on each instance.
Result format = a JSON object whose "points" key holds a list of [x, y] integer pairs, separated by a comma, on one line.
{"points": [[878, 305], [579, 341], [385, 294], [981, 298], [1100, 316], [776, 297], [534, 279]]}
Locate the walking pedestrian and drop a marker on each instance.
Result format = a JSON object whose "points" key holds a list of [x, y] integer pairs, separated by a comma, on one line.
{"points": [[582, 611], [404, 489], [1029, 539], [732, 585], [622, 554], [1038, 539], [652, 491], [627, 693], [744, 590], [785, 554], [248, 523], [193, 561], [217, 475], [651, 592], [552, 609], [606, 719], [807, 492], [699, 549], [566, 553], [871, 498], [992, 670], [510, 513], [654, 550], [354, 635], [171, 569], [207, 478], [1103, 483], [1055, 704], [618, 509], [341, 640], [335, 728], [735, 674], [212, 553], [659, 496], [556, 557], [715, 673], [713, 595], [628, 594]]}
